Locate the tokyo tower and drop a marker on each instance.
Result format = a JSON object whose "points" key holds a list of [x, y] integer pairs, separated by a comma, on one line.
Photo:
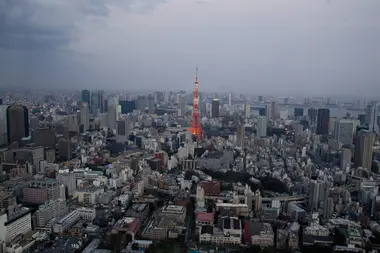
{"points": [[196, 128]]}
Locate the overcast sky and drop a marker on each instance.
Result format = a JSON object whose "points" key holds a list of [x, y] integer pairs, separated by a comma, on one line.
{"points": [[284, 47]]}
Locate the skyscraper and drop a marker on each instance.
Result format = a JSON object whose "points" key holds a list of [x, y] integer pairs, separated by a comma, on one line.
{"points": [[86, 97], [215, 108], [17, 123], [112, 113], [312, 113], [298, 112], [141, 103], [313, 195], [151, 104], [3, 124], [230, 99], [271, 110], [123, 129], [84, 117], [127, 106], [343, 131], [261, 129], [363, 149], [240, 135], [95, 105], [370, 116], [101, 101], [323, 121], [345, 159], [247, 110], [182, 105]]}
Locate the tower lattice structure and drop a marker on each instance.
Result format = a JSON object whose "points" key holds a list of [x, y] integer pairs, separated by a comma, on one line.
{"points": [[196, 128]]}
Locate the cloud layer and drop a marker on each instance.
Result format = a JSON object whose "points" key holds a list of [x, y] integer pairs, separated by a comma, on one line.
{"points": [[287, 47]]}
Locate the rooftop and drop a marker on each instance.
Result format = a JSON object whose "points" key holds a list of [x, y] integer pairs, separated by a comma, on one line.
{"points": [[204, 217]]}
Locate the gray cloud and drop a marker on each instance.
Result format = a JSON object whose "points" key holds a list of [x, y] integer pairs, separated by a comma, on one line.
{"points": [[46, 24], [285, 47]]}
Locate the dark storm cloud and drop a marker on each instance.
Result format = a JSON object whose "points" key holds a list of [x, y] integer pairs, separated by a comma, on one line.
{"points": [[47, 24]]}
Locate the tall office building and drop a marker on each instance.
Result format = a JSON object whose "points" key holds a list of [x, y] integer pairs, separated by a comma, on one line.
{"points": [[261, 129], [101, 101], [182, 105], [312, 113], [112, 114], [3, 125], [362, 119], [96, 102], [298, 112], [17, 123], [313, 195], [370, 112], [141, 103], [127, 106], [44, 137], [271, 110], [68, 179], [247, 110], [345, 159], [230, 99], [151, 104], [240, 135], [84, 119], [215, 108], [328, 209], [323, 121], [64, 147], [363, 149], [123, 129], [86, 97], [343, 131], [263, 111], [73, 123]]}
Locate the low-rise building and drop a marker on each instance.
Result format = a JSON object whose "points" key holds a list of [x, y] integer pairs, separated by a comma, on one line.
{"points": [[258, 233], [140, 211], [66, 222], [203, 218], [229, 231], [127, 225], [173, 212], [53, 209], [157, 228]]}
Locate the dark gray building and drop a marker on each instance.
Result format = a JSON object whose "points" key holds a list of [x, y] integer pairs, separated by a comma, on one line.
{"points": [[17, 123]]}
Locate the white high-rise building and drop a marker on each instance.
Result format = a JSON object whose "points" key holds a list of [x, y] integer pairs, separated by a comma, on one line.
{"points": [[230, 99], [123, 129], [247, 110], [53, 209], [68, 179], [343, 131], [261, 129], [19, 223]]}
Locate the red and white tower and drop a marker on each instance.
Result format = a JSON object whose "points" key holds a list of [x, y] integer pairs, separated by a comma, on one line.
{"points": [[196, 128]]}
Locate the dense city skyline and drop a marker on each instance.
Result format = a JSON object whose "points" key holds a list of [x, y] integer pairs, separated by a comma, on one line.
{"points": [[286, 47]]}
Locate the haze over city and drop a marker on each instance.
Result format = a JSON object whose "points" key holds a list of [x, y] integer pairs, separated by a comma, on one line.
{"points": [[290, 47]]}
